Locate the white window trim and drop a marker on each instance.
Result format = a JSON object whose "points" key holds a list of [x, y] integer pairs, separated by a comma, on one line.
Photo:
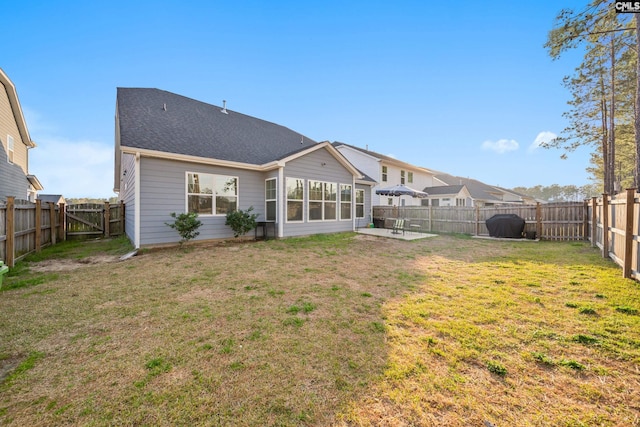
{"points": [[403, 177], [10, 149], [271, 200], [213, 195], [384, 174], [323, 201], [340, 202], [286, 200], [355, 201], [409, 177]]}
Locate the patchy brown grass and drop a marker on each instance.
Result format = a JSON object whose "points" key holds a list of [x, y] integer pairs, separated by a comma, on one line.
{"points": [[326, 330]]}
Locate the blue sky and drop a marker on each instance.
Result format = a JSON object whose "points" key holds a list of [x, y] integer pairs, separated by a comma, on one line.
{"points": [[463, 87]]}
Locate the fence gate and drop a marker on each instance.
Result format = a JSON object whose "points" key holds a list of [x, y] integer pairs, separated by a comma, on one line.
{"points": [[85, 219]]}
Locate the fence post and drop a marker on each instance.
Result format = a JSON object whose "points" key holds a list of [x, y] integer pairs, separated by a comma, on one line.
{"points": [[107, 218], [605, 226], [538, 220], [628, 233], [430, 217], [594, 221], [585, 225], [38, 237], [477, 220], [10, 230], [52, 221], [62, 222]]}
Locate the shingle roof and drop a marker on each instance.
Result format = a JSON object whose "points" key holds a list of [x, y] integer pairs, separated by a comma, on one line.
{"points": [[443, 189], [381, 156], [477, 189], [158, 120]]}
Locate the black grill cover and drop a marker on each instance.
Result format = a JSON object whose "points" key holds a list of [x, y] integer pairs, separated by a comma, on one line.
{"points": [[505, 225]]}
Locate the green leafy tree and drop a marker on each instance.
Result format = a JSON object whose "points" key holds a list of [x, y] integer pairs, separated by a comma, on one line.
{"points": [[186, 224], [241, 221]]}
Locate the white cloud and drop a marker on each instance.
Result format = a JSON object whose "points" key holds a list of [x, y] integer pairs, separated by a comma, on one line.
{"points": [[501, 146], [73, 168], [542, 138]]}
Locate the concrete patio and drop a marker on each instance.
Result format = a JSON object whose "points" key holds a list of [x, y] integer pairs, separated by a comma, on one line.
{"points": [[388, 233]]}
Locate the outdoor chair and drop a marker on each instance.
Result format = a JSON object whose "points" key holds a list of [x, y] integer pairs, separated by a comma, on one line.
{"points": [[398, 226]]}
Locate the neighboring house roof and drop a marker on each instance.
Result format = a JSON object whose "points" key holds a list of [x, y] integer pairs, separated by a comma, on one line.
{"points": [[53, 198], [478, 190], [158, 120], [35, 182], [17, 109], [443, 190], [387, 159]]}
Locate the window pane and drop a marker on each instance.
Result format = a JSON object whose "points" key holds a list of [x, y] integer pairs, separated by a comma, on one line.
{"points": [[226, 185], [225, 204], [315, 190], [294, 211], [345, 210], [200, 204], [329, 210], [359, 211], [271, 211], [270, 189], [295, 189], [315, 211], [330, 191], [359, 196], [345, 193], [200, 183]]}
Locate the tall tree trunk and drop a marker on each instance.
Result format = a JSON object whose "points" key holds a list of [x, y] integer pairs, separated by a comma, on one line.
{"points": [[612, 129], [605, 139], [637, 103]]}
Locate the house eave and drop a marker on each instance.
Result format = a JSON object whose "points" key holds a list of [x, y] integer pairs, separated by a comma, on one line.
{"points": [[16, 109]]}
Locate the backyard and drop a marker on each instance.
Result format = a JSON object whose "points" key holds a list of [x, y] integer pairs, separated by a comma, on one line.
{"points": [[327, 330]]}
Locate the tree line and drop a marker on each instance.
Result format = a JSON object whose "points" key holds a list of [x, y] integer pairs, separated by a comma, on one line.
{"points": [[605, 94], [560, 193]]}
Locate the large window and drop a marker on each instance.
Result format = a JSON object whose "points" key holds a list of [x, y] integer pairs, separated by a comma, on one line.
{"points": [[270, 198], [211, 194], [323, 198], [345, 201], [10, 148], [384, 174], [295, 199], [359, 203]]}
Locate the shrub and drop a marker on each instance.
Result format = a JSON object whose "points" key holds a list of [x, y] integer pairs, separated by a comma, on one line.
{"points": [[186, 224], [241, 221]]}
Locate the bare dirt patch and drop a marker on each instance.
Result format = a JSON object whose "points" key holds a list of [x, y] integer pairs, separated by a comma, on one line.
{"points": [[71, 264]]}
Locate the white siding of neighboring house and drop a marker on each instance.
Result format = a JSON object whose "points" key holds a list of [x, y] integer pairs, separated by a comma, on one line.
{"points": [[421, 180]]}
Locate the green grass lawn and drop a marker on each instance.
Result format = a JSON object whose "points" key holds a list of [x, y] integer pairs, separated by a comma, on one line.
{"points": [[325, 330]]}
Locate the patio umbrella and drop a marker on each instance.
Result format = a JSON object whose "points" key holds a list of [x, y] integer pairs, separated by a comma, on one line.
{"points": [[401, 190]]}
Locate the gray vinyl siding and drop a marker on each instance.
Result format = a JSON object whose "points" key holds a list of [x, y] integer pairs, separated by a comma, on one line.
{"points": [[163, 190], [318, 165], [128, 193], [13, 181]]}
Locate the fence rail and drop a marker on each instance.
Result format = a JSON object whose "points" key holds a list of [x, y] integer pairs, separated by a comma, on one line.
{"points": [[27, 227]]}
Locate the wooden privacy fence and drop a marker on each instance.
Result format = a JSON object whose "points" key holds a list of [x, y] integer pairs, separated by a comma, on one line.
{"points": [[27, 227], [613, 227], [553, 221]]}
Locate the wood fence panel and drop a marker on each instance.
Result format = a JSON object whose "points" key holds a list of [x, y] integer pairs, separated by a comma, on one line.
{"points": [[3, 231]]}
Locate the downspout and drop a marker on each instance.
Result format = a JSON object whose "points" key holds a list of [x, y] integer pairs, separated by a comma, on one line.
{"points": [[282, 198], [353, 203], [136, 232]]}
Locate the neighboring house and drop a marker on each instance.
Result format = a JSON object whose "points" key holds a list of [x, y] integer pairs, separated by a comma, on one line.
{"points": [[176, 154], [479, 193], [447, 195], [388, 172], [514, 196], [56, 199], [15, 179]]}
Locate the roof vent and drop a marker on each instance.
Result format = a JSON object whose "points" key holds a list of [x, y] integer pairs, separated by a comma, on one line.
{"points": [[224, 107], [164, 107]]}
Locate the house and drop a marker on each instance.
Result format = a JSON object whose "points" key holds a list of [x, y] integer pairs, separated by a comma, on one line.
{"points": [[388, 172], [447, 195], [476, 193], [15, 179], [177, 154], [56, 199]]}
